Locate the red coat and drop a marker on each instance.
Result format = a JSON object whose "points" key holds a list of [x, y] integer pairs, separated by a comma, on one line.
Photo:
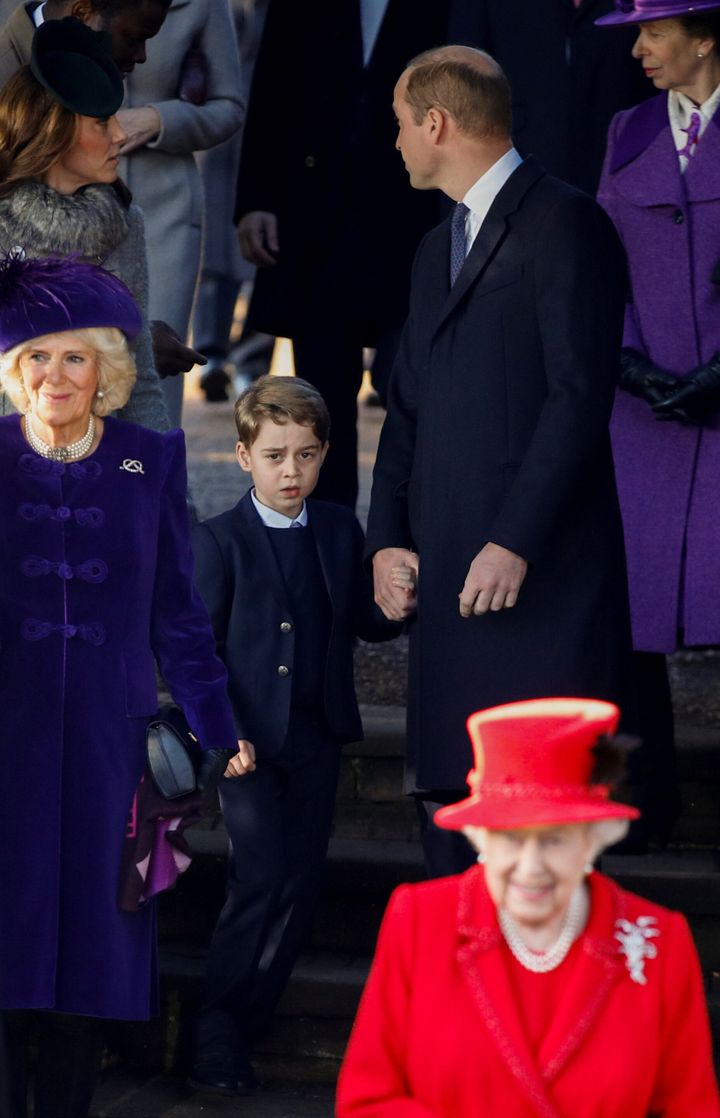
{"points": [[438, 1033]]}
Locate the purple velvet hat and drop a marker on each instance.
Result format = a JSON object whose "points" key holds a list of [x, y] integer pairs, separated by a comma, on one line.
{"points": [[56, 295], [641, 11]]}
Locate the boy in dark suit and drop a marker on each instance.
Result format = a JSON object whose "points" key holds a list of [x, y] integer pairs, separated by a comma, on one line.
{"points": [[285, 587]]}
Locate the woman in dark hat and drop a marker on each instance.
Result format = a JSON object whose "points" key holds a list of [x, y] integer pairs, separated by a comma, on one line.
{"points": [[661, 187], [532, 986], [95, 586], [59, 188]]}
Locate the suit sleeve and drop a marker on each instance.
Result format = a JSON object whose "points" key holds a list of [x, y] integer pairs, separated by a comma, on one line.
{"points": [[186, 128], [580, 290], [181, 635], [608, 199], [686, 1084], [388, 518], [373, 1081]]}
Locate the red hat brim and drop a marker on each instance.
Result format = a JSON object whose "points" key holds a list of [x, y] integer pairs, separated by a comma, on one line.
{"points": [[502, 815]]}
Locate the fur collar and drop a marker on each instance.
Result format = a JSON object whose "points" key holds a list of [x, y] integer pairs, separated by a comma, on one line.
{"points": [[90, 223]]}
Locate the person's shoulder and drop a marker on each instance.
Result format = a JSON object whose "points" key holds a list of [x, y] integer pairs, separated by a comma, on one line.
{"points": [[133, 437], [226, 524], [631, 907]]}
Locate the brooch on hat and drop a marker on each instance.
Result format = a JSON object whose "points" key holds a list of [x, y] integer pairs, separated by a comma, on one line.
{"points": [[636, 946]]}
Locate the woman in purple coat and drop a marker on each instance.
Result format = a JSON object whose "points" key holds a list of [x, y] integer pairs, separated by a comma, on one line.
{"points": [[661, 186], [95, 587]]}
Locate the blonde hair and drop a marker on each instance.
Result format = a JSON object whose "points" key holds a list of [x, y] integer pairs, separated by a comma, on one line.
{"points": [[280, 399], [466, 83], [115, 368]]}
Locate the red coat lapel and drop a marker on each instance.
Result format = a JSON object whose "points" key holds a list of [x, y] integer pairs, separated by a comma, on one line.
{"points": [[590, 983]]}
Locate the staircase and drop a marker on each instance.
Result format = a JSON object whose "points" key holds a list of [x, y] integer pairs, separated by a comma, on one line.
{"points": [[373, 849]]}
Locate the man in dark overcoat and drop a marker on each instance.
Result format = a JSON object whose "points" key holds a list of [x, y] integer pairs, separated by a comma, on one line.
{"points": [[568, 78], [323, 205], [494, 468]]}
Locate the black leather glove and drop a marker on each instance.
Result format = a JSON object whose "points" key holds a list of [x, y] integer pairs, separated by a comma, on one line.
{"points": [[641, 378], [695, 397], [212, 766]]}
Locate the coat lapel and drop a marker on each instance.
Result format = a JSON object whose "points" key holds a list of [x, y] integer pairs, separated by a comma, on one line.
{"points": [[590, 983], [488, 981], [491, 235], [254, 532]]}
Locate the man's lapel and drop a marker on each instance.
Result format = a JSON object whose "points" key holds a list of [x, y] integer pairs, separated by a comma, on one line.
{"points": [[490, 236]]}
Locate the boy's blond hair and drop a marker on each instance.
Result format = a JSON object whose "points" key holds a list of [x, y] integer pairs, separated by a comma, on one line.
{"points": [[282, 399]]}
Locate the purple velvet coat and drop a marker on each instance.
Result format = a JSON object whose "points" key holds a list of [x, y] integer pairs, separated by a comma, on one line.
{"points": [[668, 474], [95, 581]]}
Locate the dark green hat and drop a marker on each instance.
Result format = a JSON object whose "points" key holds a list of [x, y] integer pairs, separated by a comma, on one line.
{"points": [[74, 63]]}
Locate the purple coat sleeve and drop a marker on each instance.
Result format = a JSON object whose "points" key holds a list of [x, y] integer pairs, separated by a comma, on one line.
{"points": [[181, 635]]}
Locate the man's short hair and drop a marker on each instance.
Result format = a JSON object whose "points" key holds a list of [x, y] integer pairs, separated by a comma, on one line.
{"points": [[473, 90], [284, 400]]}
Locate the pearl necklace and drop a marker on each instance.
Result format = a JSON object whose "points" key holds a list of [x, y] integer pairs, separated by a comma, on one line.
{"points": [[540, 962], [60, 453]]}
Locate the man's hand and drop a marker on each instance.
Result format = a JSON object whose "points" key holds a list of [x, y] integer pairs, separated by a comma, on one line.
{"points": [[493, 581], [171, 355], [396, 602], [258, 234], [244, 760], [140, 125]]}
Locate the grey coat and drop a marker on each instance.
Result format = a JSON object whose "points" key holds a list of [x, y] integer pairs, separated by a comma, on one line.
{"points": [[15, 38], [162, 175], [92, 223]]}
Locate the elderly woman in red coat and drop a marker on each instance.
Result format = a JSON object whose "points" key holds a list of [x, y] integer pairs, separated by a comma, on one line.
{"points": [[532, 986]]}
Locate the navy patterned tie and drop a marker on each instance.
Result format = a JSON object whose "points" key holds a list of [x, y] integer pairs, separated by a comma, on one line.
{"points": [[457, 240]]}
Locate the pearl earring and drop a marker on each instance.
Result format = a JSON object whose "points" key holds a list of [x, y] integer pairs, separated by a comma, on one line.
{"points": [[700, 54], [481, 858], [100, 394]]}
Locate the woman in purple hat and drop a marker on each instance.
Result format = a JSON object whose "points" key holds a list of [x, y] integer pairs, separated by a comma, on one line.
{"points": [[95, 587], [661, 186]]}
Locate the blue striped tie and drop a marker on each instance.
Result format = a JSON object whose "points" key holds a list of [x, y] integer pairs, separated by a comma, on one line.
{"points": [[457, 240]]}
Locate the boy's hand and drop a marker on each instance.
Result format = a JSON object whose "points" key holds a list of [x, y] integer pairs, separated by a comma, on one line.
{"points": [[396, 602], [244, 760], [405, 578]]}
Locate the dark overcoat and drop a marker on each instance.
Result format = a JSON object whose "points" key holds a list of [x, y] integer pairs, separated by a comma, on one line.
{"points": [[568, 77], [96, 583], [497, 431], [667, 473], [320, 154], [240, 580]]}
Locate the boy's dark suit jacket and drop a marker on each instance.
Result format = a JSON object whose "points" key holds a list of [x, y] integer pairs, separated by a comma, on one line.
{"points": [[239, 579]]}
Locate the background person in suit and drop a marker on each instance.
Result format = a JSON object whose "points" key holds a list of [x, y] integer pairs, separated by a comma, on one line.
{"points": [[494, 462], [567, 78], [323, 207], [282, 576]]}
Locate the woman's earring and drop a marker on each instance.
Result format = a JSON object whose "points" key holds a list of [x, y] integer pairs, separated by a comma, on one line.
{"points": [[700, 54], [588, 868], [100, 394], [481, 857]]}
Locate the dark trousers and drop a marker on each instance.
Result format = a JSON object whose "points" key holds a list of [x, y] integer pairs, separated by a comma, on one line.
{"points": [[69, 1051], [331, 359], [652, 767], [445, 852], [278, 820]]}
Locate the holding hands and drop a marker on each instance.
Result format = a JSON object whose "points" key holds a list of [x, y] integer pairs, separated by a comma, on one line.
{"points": [[395, 574]]}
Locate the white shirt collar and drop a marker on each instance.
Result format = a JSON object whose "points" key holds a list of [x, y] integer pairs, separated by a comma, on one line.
{"points": [[273, 519], [680, 109], [37, 15], [482, 194]]}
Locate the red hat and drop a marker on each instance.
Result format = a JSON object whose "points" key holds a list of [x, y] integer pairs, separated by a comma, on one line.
{"points": [[533, 765]]}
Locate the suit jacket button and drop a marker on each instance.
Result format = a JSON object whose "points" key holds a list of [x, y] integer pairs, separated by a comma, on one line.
{"points": [[310, 161], [286, 626], [678, 217], [283, 670]]}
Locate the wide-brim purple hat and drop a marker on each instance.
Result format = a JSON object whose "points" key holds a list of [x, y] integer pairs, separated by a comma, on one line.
{"points": [[643, 11], [53, 296]]}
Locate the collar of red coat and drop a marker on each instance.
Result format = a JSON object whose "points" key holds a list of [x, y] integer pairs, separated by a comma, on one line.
{"points": [[589, 983]]}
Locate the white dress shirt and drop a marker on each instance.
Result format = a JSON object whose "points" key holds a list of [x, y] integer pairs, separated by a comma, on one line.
{"points": [[482, 194], [38, 15], [273, 519], [680, 109]]}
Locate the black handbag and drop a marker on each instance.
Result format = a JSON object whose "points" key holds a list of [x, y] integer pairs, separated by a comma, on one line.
{"points": [[177, 763], [173, 753]]}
